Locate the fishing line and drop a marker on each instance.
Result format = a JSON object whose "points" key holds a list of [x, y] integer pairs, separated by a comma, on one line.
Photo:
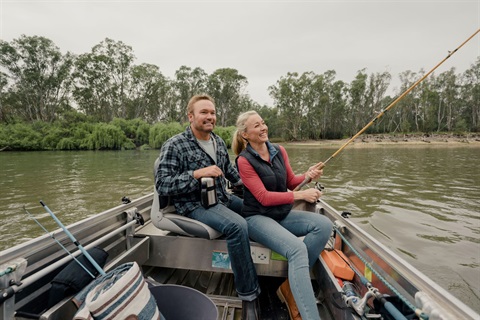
{"points": [[321, 165], [59, 243]]}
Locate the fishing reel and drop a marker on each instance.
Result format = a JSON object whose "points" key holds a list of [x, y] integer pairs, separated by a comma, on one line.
{"points": [[319, 186], [355, 302]]}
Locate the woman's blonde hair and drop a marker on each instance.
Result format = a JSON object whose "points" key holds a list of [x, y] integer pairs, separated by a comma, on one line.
{"points": [[238, 142]]}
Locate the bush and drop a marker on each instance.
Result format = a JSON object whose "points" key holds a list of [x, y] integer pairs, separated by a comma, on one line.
{"points": [[136, 130], [106, 136], [67, 144], [52, 137], [20, 136], [161, 132], [226, 133]]}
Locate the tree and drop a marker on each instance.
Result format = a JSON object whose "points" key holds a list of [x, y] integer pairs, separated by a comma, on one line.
{"points": [[470, 96], [226, 86], [35, 84], [103, 79], [357, 102], [146, 94], [187, 83], [292, 97]]}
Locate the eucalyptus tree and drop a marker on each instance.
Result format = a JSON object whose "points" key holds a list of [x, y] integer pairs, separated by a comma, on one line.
{"points": [[470, 96], [187, 83], [272, 119], [402, 114], [356, 102], [36, 78], [317, 107], [290, 95], [6, 112], [227, 87], [102, 79], [147, 94], [326, 106], [335, 128], [449, 94], [376, 90]]}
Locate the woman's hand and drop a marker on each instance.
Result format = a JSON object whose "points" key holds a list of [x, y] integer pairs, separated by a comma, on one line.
{"points": [[310, 195], [313, 172]]}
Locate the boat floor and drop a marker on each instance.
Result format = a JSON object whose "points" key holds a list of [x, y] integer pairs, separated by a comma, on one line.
{"points": [[219, 287]]}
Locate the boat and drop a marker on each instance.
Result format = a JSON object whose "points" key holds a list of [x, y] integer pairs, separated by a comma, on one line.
{"points": [[356, 277]]}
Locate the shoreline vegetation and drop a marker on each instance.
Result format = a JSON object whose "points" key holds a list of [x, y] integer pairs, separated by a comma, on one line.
{"points": [[372, 140], [362, 141]]}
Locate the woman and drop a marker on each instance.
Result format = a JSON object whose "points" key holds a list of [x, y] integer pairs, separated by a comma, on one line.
{"points": [[267, 176]]}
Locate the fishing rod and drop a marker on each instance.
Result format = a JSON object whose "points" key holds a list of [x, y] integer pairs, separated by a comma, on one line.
{"points": [[58, 242], [79, 246], [321, 165]]}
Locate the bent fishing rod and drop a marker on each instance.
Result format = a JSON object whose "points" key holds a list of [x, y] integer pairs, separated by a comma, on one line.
{"points": [[321, 165]]}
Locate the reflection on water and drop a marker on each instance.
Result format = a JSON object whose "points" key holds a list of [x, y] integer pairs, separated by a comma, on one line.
{"points": [[421, 202]]}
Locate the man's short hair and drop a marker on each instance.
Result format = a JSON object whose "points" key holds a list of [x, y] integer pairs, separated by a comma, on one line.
{"points": [[196, 98]]}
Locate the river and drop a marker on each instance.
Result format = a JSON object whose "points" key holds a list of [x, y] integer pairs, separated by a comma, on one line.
{"points": [[421, 201]]}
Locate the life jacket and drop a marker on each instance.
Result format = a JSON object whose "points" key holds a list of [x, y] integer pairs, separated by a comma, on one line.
{"points": [[274, 177]]}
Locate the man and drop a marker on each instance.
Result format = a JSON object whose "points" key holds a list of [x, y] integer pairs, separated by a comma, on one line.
{"points": [[199, 153]]}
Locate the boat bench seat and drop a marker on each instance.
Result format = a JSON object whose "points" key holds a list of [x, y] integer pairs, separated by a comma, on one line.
{"points": [[164, 217]]}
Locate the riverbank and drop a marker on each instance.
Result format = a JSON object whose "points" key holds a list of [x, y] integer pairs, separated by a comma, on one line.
{"points": [[372, 140]]}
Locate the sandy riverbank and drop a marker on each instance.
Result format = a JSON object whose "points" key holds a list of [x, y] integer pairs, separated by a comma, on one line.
{"points": [[369, 140]]}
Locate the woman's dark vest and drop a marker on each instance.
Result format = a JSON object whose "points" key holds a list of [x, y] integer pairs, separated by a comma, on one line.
{"points": [[274, 177]]}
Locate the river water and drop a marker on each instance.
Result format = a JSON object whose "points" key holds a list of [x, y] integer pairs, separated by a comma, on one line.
{"points": [[422, 202]]}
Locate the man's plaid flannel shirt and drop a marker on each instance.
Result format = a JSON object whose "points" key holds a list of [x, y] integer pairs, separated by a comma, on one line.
{"points": [[179, 157]]}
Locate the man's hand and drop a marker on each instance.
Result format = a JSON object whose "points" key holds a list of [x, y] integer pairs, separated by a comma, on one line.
{"points": [[211, 171]]}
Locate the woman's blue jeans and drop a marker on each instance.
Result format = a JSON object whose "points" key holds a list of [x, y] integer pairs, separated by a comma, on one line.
{"points": [[282, 237], [227, 220]]}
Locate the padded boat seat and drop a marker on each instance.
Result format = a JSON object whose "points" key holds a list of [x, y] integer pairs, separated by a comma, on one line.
{"points": [[164, 217]]}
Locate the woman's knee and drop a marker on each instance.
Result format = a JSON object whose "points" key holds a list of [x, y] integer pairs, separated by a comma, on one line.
{"points": [[297, 248], [323, 224]]}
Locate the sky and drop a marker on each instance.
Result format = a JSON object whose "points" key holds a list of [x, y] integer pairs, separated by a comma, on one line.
{"points": [[262, 40]]}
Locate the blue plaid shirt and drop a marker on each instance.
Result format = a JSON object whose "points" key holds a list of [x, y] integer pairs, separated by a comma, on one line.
{"points": [[179, 157]]}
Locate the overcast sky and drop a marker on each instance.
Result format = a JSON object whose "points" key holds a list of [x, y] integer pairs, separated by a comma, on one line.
{"points": [[263, 40]]}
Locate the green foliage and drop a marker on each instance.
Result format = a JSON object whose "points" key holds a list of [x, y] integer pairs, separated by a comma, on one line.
{"points": [[142, 134], [67, 144], [161, 132], [128, 145], [20, 136], [38, 76], [39, 87], [106, 137], [136, 130], [53, 136], [226, 133]]}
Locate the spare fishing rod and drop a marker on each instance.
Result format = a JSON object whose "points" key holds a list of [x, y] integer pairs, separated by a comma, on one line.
{"points": [[58, 242], [79, 246], [321, 165]]}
